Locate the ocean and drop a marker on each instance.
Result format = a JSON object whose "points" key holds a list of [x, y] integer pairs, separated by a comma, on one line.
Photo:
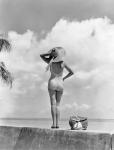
{"points": [[100, 125]]}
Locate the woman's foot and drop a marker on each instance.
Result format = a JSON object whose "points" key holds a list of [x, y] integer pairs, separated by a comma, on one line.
{"points": [[53, 127], [57, 127]]}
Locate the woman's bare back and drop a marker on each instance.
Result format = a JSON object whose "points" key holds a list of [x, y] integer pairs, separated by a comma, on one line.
{"points": [[56, 68]]}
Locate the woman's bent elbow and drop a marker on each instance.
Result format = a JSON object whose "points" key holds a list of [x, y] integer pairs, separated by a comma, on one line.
{"points": [[72, 72]]}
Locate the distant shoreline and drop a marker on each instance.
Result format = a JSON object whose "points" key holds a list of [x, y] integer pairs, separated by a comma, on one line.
{"points": [[62, 119]]}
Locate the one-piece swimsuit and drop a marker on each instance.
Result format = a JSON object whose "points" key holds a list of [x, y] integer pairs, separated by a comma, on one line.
{"points": [[56, 80]]}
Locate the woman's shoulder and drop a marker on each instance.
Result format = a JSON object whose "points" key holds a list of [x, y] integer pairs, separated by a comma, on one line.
{"points": [[63, 64]]}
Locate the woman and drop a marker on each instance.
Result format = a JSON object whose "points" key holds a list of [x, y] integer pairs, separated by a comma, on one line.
{"points": [[56, 64]]}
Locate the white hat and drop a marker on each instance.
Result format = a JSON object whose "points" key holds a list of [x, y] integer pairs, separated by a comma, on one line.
{"points": [[60, 55]]}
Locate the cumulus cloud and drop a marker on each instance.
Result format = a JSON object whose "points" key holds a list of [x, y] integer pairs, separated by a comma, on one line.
{"points": [[90, 52], [89, 46], [74, 109]]}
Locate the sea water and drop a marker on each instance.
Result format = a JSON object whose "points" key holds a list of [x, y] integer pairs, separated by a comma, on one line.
{"points": [[101, 125]]}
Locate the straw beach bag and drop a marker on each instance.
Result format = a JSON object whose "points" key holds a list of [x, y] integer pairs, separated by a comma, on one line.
{"points": [[78, 123]]}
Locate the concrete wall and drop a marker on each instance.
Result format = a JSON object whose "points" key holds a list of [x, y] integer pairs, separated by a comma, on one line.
{"points": [[112, 145], [15, 138]]}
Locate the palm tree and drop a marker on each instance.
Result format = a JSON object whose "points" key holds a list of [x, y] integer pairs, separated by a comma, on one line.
{"points": [[4, 73]]}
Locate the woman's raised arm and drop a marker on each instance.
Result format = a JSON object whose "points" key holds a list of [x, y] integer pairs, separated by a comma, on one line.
{"points": [[46, 57]]}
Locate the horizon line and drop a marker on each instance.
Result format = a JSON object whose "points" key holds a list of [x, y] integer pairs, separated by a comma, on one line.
{"points": [[27, 118]]}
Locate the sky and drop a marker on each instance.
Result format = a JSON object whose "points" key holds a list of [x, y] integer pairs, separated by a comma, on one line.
{"points": [[85, 30]]}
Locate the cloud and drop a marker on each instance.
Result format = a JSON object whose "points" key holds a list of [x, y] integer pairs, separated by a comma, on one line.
{"points": [[89, 48], [91, 57], [68, 110], [74, 109], [6, 102], [26, 70]]}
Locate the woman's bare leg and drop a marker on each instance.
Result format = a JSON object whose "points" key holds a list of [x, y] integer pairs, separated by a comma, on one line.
{"points": [[53, 106], [58, 99]]}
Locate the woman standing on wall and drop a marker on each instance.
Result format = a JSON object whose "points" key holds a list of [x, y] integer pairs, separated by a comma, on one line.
{"points": [[56, 64]]}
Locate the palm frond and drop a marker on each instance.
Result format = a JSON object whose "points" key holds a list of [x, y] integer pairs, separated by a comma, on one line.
{"points": [[5, 74], [4, 45]]}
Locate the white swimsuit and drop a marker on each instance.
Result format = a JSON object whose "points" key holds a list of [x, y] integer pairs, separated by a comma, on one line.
{"points": [[56, 80]]}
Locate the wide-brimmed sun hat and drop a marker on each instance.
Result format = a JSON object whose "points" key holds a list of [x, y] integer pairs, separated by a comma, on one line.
{"points": [[60, 55]]}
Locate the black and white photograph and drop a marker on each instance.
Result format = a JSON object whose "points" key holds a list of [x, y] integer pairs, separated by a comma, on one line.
{"points": [[56, 74]]}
